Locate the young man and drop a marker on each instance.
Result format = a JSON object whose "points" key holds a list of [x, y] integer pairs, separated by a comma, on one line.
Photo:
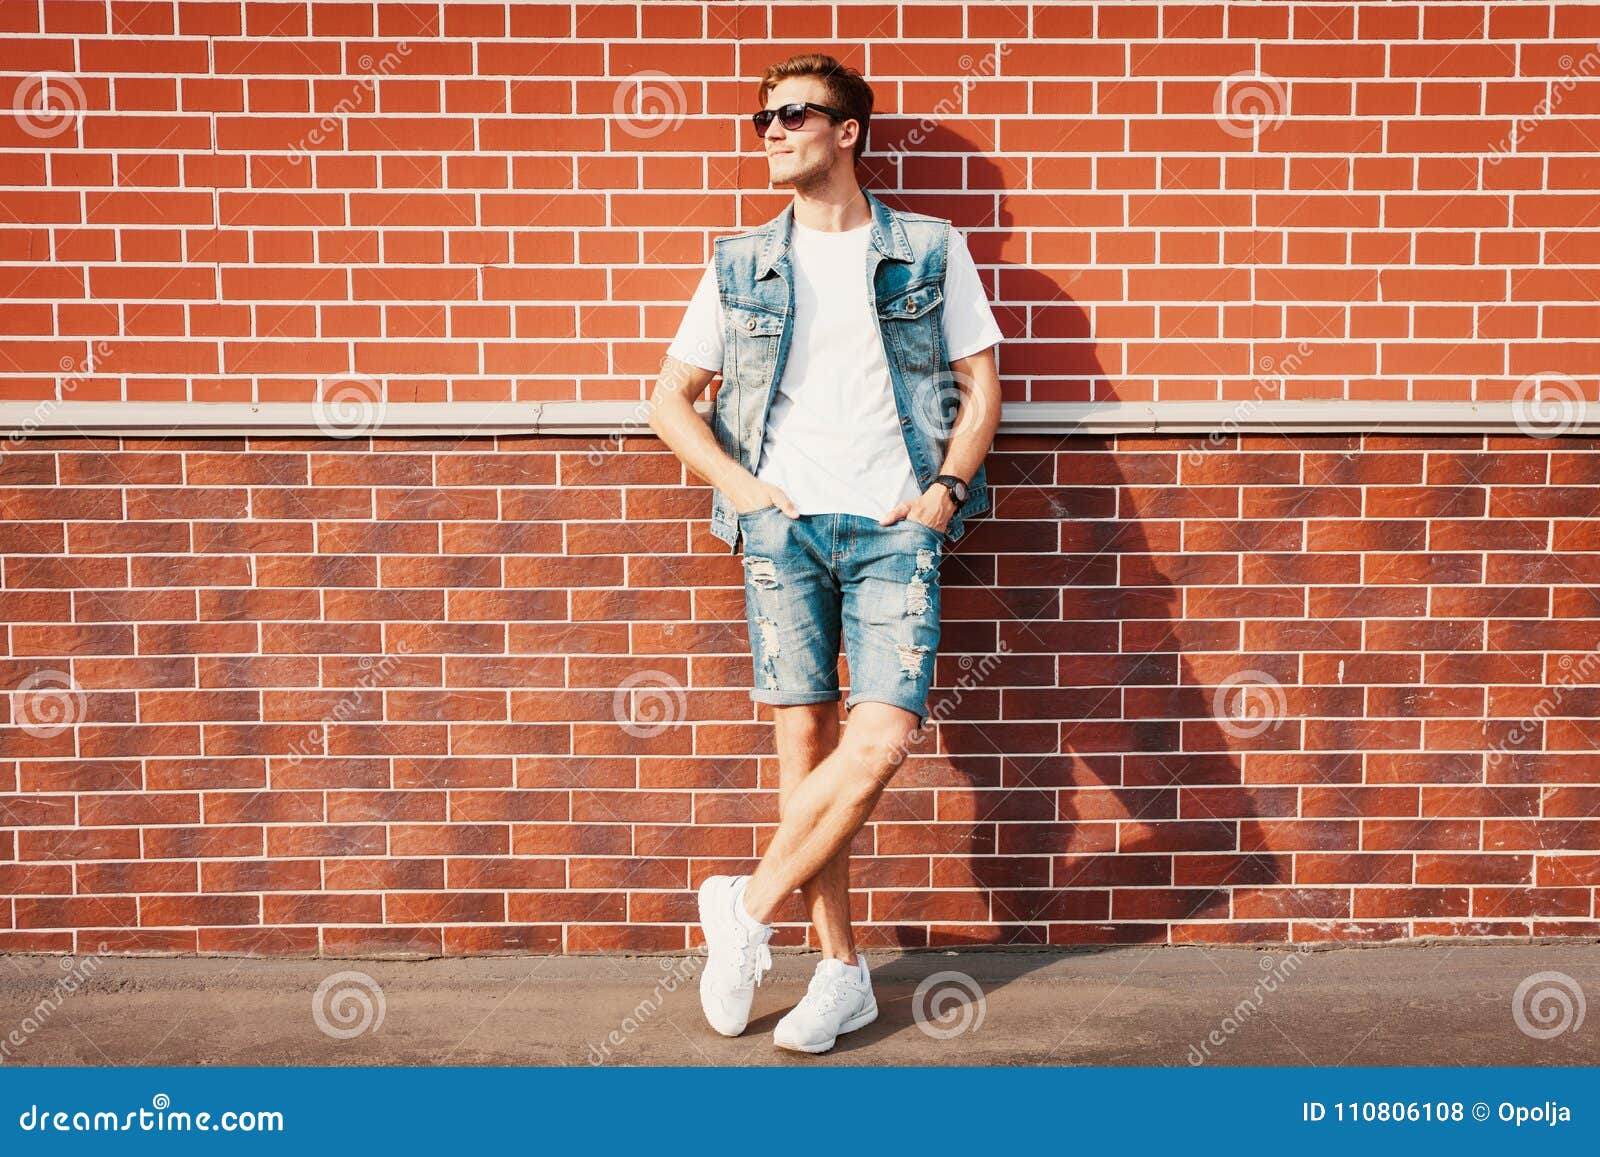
{"points": [[859, 397]]}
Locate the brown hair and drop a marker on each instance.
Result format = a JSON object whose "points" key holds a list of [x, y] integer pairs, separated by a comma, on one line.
{"points": [[847, 90]]}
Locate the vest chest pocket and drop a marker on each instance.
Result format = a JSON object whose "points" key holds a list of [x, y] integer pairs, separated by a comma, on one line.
{"points": [[753, 336], [913, 325]]}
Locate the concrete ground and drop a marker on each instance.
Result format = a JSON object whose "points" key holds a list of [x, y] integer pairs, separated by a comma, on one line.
{"points": [[1415, 1004]]}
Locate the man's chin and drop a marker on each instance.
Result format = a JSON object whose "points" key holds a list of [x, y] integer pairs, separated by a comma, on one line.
{"points": [[791, 175]]}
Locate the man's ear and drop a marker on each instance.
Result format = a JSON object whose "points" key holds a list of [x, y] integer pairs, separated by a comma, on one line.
{"points": [[851, 131]]}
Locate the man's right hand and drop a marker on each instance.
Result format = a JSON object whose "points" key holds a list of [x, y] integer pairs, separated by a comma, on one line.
{"points": [[760, 494]]}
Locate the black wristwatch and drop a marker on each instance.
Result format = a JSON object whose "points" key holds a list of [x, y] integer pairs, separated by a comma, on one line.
{"points": [[957, 488]]}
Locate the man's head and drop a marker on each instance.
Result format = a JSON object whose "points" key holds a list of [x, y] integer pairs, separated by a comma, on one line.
{"points": [[809, 154]]}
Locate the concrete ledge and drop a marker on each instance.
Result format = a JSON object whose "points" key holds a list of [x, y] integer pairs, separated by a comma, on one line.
{"points": [[433, 419]]}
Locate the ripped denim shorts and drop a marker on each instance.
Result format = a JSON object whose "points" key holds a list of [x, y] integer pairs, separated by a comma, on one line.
{"points": [[815, 581]]}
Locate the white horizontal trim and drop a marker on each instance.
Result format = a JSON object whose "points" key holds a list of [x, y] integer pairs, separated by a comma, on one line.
{"points": [[418, 419]]}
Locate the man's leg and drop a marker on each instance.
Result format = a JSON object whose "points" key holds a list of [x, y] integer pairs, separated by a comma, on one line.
{"points": [[806, 735], [826, 809], [890, 611]]}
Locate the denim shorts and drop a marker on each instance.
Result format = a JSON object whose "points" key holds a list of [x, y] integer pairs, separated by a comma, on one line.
{"points": [[819, 579]]}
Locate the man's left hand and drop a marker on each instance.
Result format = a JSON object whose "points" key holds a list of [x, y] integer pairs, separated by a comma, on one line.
{"points": [[933, 507]]}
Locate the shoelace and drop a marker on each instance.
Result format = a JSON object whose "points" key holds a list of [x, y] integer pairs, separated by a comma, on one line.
{"points": [[754, 958], [821, 995]]}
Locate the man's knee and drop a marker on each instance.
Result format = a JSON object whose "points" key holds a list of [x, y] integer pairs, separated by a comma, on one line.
{"points": [[877, 753]]}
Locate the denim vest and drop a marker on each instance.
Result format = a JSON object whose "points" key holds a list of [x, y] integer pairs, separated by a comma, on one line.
{"points": [[905, 268]]}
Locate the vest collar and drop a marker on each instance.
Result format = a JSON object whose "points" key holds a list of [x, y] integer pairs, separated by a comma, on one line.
{"points": [[888, 235]]}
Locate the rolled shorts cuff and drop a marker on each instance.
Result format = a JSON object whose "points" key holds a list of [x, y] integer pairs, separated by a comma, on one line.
{"points": [[905, 702], [793, 698]]}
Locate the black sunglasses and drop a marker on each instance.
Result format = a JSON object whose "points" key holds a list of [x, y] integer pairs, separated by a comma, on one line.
{"points": [[791, 116]]}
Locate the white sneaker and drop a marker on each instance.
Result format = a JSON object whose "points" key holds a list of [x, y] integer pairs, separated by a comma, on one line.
{"points": [[736, 955], [839, 1000]]}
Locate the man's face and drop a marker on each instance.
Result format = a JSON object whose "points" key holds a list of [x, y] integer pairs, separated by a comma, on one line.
{"points": [[802, 156]]}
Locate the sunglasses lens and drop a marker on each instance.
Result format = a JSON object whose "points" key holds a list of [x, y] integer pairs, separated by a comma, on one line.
{"points": [[794, 115], [762, 119]]}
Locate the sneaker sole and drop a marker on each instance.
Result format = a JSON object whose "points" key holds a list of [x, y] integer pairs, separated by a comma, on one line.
{"points": [[860, 1020]]}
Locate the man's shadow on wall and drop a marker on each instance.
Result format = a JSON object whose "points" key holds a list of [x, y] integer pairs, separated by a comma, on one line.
{"points": [[1089, 785]]}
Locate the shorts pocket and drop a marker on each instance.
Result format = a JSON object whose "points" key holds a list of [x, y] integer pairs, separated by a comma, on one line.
{"points": [[937, 534]]}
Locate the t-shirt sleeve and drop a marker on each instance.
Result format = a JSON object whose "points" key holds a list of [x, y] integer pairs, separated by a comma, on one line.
{"points": [[969, 325], [699, 340]]}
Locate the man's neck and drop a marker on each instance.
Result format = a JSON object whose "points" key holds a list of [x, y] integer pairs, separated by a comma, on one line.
{"points": [[834, 209]]}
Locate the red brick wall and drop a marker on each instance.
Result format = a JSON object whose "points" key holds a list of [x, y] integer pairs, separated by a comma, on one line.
{"points": [[465, 694], [300, 695]]}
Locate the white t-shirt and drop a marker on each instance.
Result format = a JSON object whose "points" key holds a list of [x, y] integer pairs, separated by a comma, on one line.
{"points": [[833, 441]]}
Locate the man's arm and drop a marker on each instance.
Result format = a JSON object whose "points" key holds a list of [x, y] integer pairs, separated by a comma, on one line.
{"points": [[672, 416], [977, 419], [979, 415]]}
